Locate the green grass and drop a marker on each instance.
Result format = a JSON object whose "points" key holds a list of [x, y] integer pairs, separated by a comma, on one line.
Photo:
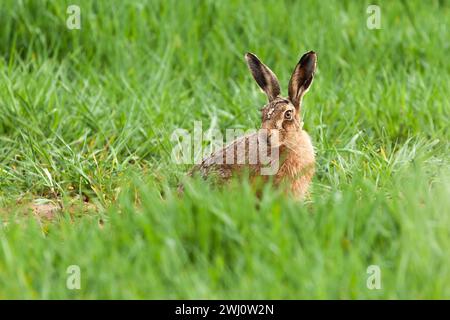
{"points": [[87, 115]]}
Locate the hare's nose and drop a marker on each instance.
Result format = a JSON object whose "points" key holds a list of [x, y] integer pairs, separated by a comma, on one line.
{"points": [[272, 137], [268, 139]]}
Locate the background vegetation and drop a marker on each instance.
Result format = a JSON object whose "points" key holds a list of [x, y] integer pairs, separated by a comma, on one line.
{"points": [[85, 123]]}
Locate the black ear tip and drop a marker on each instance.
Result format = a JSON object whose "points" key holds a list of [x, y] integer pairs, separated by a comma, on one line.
{"points": [[309, 55], [309, 58], [250, 56]]}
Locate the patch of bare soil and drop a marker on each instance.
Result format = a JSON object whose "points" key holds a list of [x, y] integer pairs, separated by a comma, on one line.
{"points": [[44, 210]]}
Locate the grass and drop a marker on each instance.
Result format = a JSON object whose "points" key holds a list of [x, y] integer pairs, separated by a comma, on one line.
{"points": [[86, 117]]}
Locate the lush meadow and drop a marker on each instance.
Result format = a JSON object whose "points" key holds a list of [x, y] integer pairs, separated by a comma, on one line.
{"points": [[86, 118]]}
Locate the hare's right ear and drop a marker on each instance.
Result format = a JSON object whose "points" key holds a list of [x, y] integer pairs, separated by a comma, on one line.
{"points": [[265, 78], [302, 77]]}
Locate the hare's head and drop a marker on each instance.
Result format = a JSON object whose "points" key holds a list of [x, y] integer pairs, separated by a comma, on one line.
{"points": [[283, 114]]}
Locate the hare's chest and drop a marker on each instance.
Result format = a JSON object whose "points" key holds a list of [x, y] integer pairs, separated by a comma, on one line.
{"points": [[297, 165], [294, 167]]}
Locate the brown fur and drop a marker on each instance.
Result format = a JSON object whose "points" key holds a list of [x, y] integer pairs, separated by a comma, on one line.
{"points": [[296, 153]]}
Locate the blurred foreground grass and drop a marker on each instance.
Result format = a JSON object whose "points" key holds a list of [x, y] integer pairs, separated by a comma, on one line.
{"points": [[86, 115]]}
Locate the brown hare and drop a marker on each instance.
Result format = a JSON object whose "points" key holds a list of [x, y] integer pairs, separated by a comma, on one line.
{"points": [[289, 149]]}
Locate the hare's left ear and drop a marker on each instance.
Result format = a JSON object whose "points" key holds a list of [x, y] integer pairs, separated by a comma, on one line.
{"points": [[302, 78], [265, 78]]}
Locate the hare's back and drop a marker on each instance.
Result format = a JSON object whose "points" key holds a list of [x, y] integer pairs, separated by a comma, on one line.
{"points": [[237, 156]]}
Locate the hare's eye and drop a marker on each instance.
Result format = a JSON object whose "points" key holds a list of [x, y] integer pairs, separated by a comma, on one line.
{"points": [[288, 115]]}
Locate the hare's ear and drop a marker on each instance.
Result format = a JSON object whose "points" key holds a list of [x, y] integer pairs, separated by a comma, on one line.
{"points": [[302, 77], [265, 78]]}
